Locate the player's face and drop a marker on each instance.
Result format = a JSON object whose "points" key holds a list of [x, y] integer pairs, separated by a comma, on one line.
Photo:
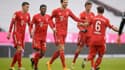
{"points": [[25, 8], [65, 3], [88, 7], [43, 11]]}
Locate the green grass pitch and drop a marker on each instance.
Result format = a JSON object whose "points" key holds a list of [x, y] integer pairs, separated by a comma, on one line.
{"points": [[107, 64]]}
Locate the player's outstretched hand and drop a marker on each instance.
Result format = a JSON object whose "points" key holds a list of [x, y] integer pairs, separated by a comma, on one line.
{"points": [[119, 40], [83, 24], [8, 36]]}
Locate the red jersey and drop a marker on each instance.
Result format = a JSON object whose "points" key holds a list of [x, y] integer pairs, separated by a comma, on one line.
{"points": [[19, 22], [86, 16], [99, 26], [41, 26], [61, 19]]}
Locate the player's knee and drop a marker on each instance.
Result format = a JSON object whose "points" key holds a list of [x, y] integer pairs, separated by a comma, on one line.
{"points": [[78, 50], [91, 57], [101, 55]]}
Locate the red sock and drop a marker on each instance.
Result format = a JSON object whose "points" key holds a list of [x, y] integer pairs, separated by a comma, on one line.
{"points": [[91, 58], [55, 55], [92, 63], [19, 58], [98, 62], [37, 56], [14, 60], [76, 56], [62, 57]]}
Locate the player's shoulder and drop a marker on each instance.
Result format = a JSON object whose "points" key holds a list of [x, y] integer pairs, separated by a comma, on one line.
{"points": [[36, 14], [68, 9], [106, 19], [82, 13], [92, 13], [17, 12], [56, 9], [28, 13], [47, 15]]}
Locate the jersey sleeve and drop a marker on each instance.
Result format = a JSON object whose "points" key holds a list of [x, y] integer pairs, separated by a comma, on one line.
{"points": [[108, 24], [51, 23], [53, 14], [74, 17], [12, 22], [91, 19], [80, 27], [31, 24]]}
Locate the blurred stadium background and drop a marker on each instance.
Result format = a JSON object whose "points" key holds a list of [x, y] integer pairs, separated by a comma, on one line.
{"points": [[114, 9]]}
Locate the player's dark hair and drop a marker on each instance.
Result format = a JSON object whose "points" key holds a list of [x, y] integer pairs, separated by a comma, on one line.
{"points": [[61, 1], [100, 9], [43, 6], [25, 3], [88, 3]]}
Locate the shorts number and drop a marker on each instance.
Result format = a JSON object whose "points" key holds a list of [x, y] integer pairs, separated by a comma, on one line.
{"points": [[98, 26]]}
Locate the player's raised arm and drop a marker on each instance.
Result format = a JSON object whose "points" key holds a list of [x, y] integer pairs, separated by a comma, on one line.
{"points": [[114, 28], [74, 17]]}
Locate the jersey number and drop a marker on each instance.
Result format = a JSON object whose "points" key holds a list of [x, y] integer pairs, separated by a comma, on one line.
{"points": [[98, 26]]}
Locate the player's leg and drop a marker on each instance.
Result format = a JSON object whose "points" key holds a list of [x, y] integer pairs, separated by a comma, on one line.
{"points": [[77, 52], [56, 53], [59, 52], [79, 48], [36, 55], [20, 50], [40, 54], [53, 58], [101, 51], [14, 58], [90, 57], [18, 53], [19, 57]]}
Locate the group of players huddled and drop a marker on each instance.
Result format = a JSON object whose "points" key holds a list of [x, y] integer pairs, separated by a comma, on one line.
{"points": [[91, 27]]}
